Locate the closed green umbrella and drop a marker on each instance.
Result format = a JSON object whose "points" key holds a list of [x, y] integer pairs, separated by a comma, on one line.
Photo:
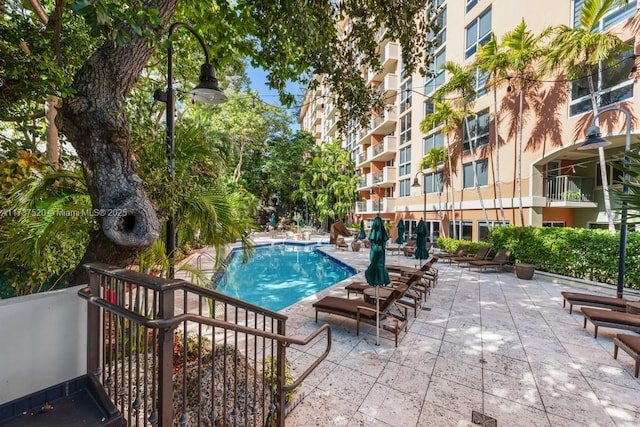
{"points": [[362, 234], [377, 274], [273, 220], [421, 241], [400, 239]]}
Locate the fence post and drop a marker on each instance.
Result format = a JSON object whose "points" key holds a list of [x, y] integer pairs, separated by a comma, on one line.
{"points": [[93, 327], [282, 362], [165, 359]]}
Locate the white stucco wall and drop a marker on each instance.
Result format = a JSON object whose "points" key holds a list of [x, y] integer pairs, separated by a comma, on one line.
{"points": [[43, 341]]}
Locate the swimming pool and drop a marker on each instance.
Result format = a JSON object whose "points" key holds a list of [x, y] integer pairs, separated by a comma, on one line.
{"points": [[277, 276]]}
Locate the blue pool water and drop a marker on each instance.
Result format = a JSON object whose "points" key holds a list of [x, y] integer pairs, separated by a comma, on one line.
{"points": [[277, 276]]}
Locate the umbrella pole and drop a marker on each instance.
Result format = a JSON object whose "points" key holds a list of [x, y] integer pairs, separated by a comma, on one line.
{"points": [[377, 317]]}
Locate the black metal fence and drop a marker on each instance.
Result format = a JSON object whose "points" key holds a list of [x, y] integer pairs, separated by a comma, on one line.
{"points": [[169, 352]]}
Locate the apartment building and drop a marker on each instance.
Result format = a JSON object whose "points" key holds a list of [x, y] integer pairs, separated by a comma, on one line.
{"points": [[544, 181]]}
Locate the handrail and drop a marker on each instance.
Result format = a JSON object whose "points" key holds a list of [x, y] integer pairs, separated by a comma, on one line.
{"points": [[159, 283], [175, 321], [199, 259]]}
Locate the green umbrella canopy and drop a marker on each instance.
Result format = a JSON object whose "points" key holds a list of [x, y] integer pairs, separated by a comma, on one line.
{"points": [[400, 239], [362, 234], [376, 273], [421, 241]]}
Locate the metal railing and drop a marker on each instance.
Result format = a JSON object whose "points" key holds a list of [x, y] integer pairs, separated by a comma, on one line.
{"points": [[570, 188], [169, 352]]}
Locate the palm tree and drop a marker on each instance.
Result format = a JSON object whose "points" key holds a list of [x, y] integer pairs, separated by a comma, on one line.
{"points": [[523, 49], [462, 83], [580, 51], [431, 160], [494, 61], [451, 119]]}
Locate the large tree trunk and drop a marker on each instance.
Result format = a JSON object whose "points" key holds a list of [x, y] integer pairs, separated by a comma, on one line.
{"points": [[95, 124]]}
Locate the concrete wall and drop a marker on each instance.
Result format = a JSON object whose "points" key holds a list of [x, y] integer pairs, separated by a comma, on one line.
{"points": [[43, 341]]}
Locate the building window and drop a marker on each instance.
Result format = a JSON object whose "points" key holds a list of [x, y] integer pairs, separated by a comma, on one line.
{"points": [[553, 223], [482, 172], [404, 166], [405, 187], [435, 140], [432, 183], [484, 227], [471, 4], [405, 96], [478, 33], [465, 229], [433, 83], [405, 128], [479, 130], [611, 19], [481, 82], [612, 83]]}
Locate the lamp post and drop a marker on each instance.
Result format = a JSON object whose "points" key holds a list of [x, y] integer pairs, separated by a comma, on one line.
{"points": [[416, 184], [207, 91], [595, 140]]}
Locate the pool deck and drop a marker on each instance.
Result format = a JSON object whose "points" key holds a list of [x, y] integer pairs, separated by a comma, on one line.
{"points": [[490, 343]]}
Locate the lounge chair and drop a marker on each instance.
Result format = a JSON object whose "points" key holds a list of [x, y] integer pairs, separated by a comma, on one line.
{"points": [[631, 345], [610, 319], [341, 244], [482, 253], [460, 251], [366, 312], [498, 262], [579, 298], [409, 248], [410, 297]]}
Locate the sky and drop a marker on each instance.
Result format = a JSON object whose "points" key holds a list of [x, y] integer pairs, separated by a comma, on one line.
{"points": [[258, 79]]}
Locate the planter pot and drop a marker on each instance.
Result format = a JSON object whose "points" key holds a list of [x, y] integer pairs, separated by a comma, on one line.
{"points": [[525, 271], [355, 246]]}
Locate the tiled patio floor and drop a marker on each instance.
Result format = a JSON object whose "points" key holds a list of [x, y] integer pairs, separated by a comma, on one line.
{"points": [[490, 343]]}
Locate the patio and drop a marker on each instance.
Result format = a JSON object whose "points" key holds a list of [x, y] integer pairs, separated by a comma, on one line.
{"points": [[491, 343]]}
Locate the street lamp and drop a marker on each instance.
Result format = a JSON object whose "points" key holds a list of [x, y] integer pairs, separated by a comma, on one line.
{"points": [[207, 91], [416, 184], [595, 140]]}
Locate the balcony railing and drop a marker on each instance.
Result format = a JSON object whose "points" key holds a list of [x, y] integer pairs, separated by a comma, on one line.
{"points": [[570, 188], [170, 353]]}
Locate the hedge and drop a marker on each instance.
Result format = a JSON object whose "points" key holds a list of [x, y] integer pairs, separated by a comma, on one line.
{"points": [[573, 252]]}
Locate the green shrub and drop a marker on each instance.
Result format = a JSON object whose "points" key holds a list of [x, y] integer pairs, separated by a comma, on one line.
{"points": [[573, 252]]}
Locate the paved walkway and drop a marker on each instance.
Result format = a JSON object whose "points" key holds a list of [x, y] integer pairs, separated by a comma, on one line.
{"points": [[491, 343]]}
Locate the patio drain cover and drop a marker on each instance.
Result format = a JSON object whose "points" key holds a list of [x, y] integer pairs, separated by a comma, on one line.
{"points": [[483, 420]]}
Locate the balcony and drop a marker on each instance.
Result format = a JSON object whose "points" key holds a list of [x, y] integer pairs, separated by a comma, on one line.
{"points": [[389, 57], [384, 178], [389, 86], [362, 158], [384, 123], [387, 205], [570, 191], [384, 150]]}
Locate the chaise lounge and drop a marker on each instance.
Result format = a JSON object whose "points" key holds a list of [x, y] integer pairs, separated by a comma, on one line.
{"points": [[631, 345], [461, 250], [481, 254], [580, 298], [502, 258], [366, 312], [610, 319]]}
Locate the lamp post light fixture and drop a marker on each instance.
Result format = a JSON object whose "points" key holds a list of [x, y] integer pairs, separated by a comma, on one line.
{"points": [[595, 140], [416, 184], [207, 91]]}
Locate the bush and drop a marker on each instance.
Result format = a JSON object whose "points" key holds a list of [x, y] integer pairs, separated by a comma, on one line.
{"points": [[573, 252]]}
